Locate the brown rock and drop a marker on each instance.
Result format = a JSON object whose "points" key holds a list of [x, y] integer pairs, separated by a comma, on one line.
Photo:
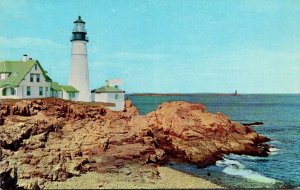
{"points": [[128, 104], [66, 139], [193, 134], [1, 121]]}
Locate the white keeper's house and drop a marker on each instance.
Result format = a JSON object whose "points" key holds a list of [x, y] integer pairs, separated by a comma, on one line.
{"points": [[27, 79], [23, 79]]}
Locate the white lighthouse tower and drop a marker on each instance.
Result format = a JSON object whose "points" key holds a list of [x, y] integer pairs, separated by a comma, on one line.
{"points": [[79, 73]]}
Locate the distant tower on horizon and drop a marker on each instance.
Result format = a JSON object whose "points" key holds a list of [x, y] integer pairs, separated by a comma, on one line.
{"points": [[79, 72]]}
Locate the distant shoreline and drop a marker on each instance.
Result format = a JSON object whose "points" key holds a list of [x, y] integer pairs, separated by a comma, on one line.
{"points": [[208, 93], [179, 94]]}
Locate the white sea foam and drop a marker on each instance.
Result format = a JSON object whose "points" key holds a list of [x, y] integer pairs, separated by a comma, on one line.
{"points": [[254, 157], [227, 162], [233, 167], [274, 150]]}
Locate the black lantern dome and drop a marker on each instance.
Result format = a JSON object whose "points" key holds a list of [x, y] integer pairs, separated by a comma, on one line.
{"points": [[79, 31]]}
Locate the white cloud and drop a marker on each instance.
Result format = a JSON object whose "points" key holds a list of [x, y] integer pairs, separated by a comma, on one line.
{"points": [[23, 42]]}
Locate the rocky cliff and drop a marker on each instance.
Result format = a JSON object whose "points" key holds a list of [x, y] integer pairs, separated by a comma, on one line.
{"points": [[189, 132], [53, 139]]}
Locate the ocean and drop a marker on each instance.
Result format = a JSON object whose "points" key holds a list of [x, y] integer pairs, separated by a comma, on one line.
{"points": [[280, 114]]}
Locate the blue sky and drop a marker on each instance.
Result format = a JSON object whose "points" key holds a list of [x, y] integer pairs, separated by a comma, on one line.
{"points": [[163, 46]]}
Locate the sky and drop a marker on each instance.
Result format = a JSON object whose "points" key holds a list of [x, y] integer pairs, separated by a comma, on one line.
{"points": [[163, 46]]}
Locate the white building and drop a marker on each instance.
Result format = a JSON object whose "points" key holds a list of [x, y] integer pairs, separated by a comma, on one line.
{"points": [[56, 90], [110, 94], [79, 72], [64, 91], [27, 79], [23, 79], [69, 93]]}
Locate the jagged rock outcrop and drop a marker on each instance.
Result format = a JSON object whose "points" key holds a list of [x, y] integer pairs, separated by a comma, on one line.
{"points": [[189, 132], [256, 123], [54, 139]]}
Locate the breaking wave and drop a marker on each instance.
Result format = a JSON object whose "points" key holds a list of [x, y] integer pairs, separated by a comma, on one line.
{"points": [[274, 150], [233, 167]]}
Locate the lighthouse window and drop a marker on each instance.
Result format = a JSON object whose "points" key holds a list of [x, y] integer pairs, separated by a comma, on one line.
{"points": [[38, 78], [79, 27]]}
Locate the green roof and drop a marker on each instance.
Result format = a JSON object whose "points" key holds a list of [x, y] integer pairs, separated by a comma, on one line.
{"points": [[79, 20], [69, 88], [55, 86], [107, 89], [17, 71]]}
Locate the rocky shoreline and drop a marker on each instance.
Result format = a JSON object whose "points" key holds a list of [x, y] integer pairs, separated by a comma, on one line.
{"points": [[52, 140]]}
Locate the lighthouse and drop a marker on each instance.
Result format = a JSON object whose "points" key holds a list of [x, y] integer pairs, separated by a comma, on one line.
{"points": [[79, 72]]}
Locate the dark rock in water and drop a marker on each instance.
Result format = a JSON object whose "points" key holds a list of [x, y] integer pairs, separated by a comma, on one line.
{"points": [[235, 166], [257, 123]]}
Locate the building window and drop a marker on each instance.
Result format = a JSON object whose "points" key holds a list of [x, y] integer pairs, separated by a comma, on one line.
{"points": [[35, 67], [28, 90], [116, 96], [56, 94], [41, 91], [38, 78], [71, 95], [31, 77], [4, 92], [12, 91], [8, 91]]}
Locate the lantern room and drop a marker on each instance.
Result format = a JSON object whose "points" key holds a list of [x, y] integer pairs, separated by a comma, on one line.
{"points": [[79, 32]]}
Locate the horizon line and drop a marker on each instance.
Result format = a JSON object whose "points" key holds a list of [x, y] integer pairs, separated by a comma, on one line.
{"points": [[227, 93]]}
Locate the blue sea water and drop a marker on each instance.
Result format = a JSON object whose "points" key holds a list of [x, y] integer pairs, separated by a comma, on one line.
{"points": [[281, 117]]}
